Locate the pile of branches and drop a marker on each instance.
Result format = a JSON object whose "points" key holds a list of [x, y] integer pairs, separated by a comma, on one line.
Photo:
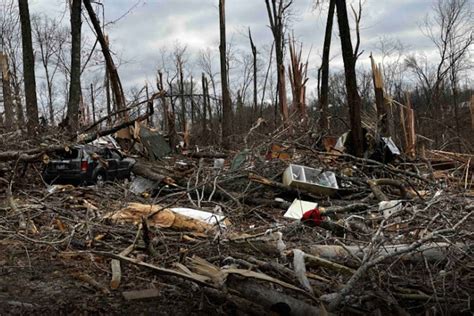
{"points": [[354, 260]]}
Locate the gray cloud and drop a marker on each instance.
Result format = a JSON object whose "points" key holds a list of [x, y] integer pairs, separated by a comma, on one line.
{"points": [[153, 25]]}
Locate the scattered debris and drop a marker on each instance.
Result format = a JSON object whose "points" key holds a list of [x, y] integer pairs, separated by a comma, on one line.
{"points": [[310, 179], [188, 223], [298, 208]]}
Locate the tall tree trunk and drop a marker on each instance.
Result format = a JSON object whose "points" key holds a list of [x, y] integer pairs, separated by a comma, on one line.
{"points": [[93, 103], [324, 92], [181, 91], [353, 98], [192, 101], [7, 92], [255, 91], [276, 16], [107, 92], [226, 102], [113, 74], [28, 68], [209, 109], [75, 85], [204, 108], [50, 97]]}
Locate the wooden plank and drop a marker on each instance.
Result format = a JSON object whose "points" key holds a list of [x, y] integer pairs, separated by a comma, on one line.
{"points": [[140, 294]]}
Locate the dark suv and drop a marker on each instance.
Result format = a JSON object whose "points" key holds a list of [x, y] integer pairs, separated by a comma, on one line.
{"points": [[87, 164]]}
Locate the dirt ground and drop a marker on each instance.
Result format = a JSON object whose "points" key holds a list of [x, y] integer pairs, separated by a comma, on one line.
{"points": [[41, 283]]}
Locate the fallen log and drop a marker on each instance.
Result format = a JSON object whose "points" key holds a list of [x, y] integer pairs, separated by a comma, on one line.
{"points": [[375, 187], [271, 299], [87, 138], [160, 217], [430, 251], [203, 154], [30, 154], [35, 154], [145, 170], [318, 261]]}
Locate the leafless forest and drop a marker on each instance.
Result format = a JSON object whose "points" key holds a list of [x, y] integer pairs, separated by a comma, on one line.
{"points": [[277, 178]]}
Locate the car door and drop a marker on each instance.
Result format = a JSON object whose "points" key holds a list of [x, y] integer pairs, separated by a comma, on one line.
{"points": [[122, 170], [112, 165]]}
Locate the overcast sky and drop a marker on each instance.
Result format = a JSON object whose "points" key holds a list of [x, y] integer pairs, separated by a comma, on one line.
{"points": [[151, 25]]}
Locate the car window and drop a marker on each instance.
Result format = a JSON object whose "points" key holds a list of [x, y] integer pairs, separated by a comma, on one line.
{"points": [[115, 155], [72, 153]]}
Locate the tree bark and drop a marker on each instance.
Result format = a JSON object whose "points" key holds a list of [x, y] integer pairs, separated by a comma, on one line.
{"points": [[324, 98], [226, 102], [353, 98], [7, 92], [28, 68], [75, 84]]}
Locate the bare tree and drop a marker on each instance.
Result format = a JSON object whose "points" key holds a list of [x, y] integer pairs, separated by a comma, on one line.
{"points": [[392, 54], [277, 15], [206, 63], [112, 70], [226, 101], [11, 45], [324, 70], [255, 91], [353, 98], [28, 68], [180, 61], [48, 37], [450, 30]]}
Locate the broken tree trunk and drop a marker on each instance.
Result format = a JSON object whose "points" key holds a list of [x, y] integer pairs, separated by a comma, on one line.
{"points": [[7, 93], [379, 98], [36, 153], [254, 55], [409, 123], [226, 101], [297, 72], [112, 70], [146, 170]]}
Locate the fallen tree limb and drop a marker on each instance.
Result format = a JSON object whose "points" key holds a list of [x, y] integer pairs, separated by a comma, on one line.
{"points": [[35, 154], [355, 207], [374, 258], [203, 281], [430, 251], [87, 138], [272, 299], [314, 260], [378, 193]]}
